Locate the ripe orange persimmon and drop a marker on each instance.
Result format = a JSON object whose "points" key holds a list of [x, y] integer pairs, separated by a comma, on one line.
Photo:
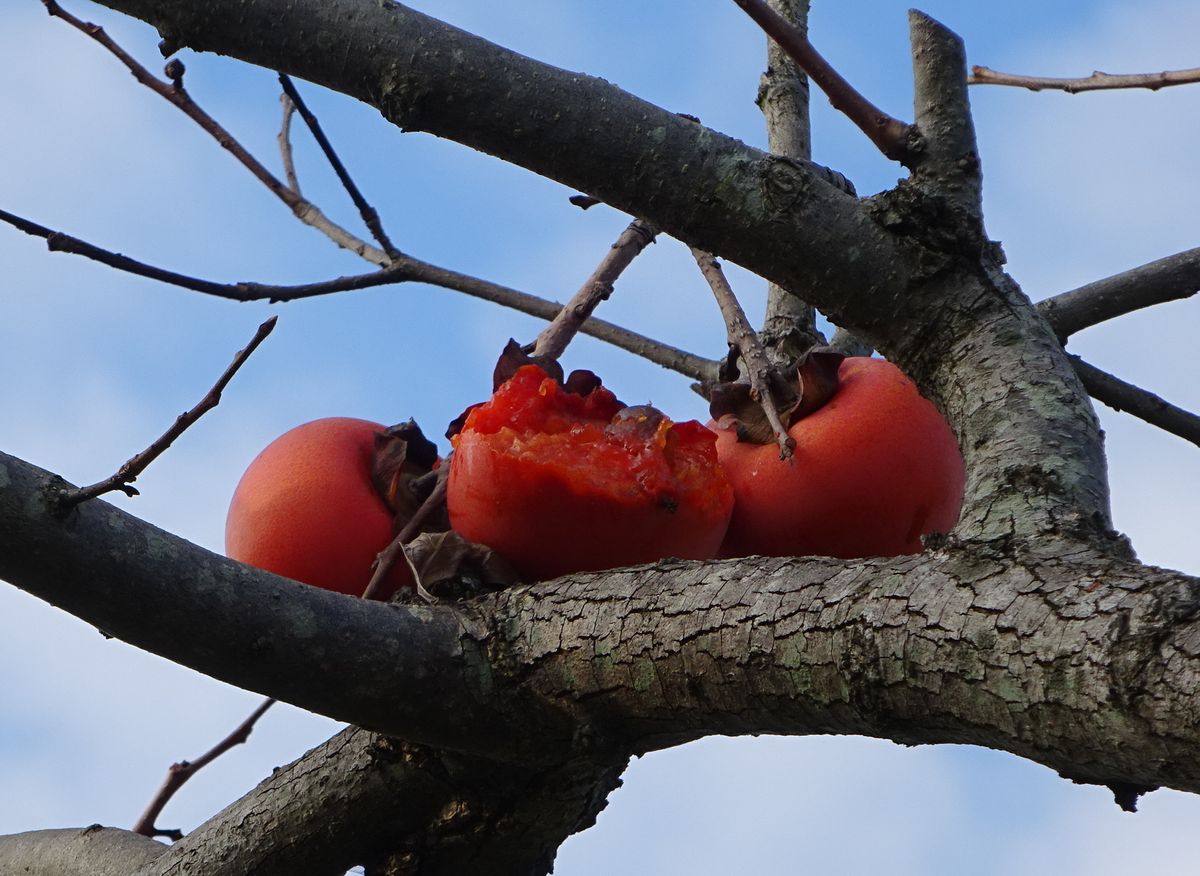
{"points": [[307, 509], [558, 482], [874, 469]]}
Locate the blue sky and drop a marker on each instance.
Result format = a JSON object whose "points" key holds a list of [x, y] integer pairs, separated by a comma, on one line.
{"points": [[96, 364]]}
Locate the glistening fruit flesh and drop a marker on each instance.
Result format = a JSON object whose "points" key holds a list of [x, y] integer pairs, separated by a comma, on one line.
{"points": [[306, 508], [874, 469], [557, 482]]}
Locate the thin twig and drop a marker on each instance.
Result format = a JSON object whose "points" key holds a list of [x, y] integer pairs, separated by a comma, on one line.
{"points": [[1166, 279], [389, 555], [598, 287], [304, 210], [129, 472], [744, 339], [894, 138], [1098, 81], [369, 215], [285, 143], [1141, 403], [179, 773], [404, 269]]}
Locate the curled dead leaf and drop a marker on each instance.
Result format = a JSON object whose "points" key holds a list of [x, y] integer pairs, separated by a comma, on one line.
{"points": [[448, 566]]}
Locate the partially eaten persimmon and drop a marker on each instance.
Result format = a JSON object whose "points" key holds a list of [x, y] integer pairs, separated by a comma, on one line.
{"points": [[560, 480]]}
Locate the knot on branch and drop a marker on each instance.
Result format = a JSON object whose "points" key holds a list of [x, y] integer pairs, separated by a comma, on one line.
{"points": [[934, 222]]}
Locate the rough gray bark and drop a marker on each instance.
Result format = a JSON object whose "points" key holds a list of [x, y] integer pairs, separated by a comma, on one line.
{"points": [[84, 851], [1030, 629], [789, 327]]}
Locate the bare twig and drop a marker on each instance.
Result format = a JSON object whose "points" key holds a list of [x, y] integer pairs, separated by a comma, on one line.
{"points": [[285, 143], [566, 324], [369, 215], [129, 472], [1098, 81], [743, 338], [1145, 405], [1166, 279], [894, 138], [404, 269], [389, 555], [179, 773], [304, 210]]}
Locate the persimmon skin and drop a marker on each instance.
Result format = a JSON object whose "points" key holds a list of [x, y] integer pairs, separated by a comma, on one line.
{"points": [[306, 508], [577, 504], [874, 469]]}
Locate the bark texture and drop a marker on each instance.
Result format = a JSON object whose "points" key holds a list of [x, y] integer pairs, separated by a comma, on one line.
{"points": [[1029, 629]]}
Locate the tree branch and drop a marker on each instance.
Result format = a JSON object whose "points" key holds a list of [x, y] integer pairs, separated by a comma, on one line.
{"points": [[179, 773], [589, 135], [1096, 82], [277, 637], [1145, 405], [128, 473], [403, 269], [1166, 279], [760, 373], [964, 644], [284, 139], [949, 162], [789, 327], [86, 851], [598, 287], [895, 139], [370, 215], [174, 92]]}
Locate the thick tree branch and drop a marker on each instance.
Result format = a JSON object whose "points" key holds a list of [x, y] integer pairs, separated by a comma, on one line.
{"points": [[375, 665], [1096, 82], [1075, 657], [84, 851], [949, 163], [790, 323], [1145, 405], [1166, 279]]}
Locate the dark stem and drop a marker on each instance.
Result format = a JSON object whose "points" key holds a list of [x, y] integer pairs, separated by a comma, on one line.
{"points": [[390, 554], [1166, 279], [174, 92], [129, 472], [1145, 405], [404, 269], [179, 773], [894, 138], [743, 338], [598, 287], [369, 214]]}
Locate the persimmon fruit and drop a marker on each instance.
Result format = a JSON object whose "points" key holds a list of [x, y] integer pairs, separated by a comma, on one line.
{"points": [[873, 470], [307, 508], [558, 481]]}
